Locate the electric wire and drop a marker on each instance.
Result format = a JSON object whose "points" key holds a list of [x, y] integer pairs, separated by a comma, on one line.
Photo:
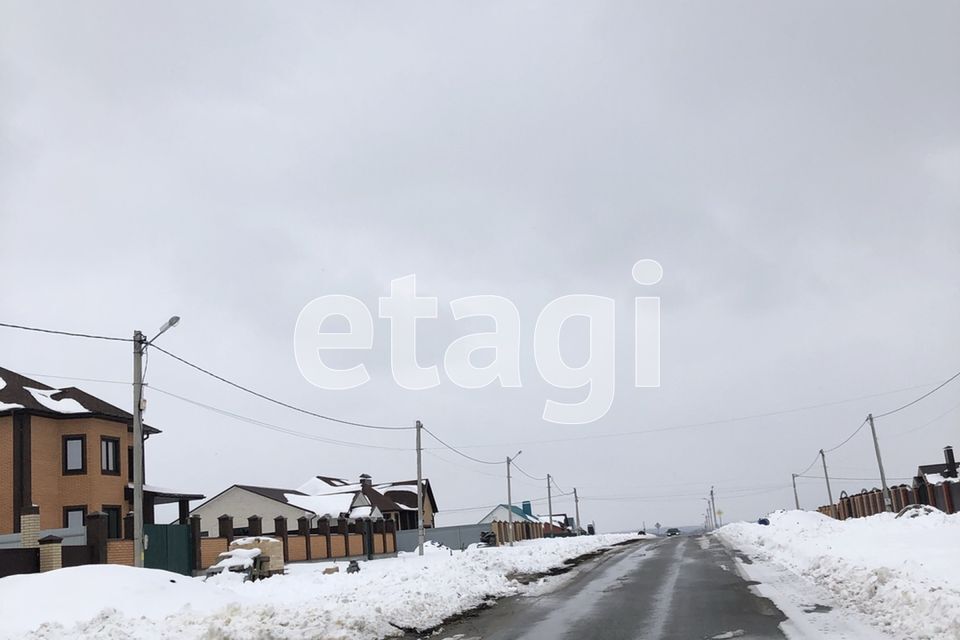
{"points": [[72, 334], [274, 427], [849, 438], [926, 395], [532, 477], [281, 403], [457, 451]]}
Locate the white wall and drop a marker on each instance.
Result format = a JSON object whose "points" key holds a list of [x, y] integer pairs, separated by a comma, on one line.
{"points": [[241, 504]]}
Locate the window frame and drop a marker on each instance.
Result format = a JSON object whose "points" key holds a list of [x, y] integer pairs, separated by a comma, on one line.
{"points": [[82, 508], [116, 457], [82, 437]]}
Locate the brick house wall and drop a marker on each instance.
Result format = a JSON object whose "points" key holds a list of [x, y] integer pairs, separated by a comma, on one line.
{"points": [[52, 490], [6, 475]]}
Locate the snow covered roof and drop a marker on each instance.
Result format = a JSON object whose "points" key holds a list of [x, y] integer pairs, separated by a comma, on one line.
{"points": [[331, 505], [504, 514], [19, 392]]}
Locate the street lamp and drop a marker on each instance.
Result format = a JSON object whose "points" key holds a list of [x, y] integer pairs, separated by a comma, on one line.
{"points": [[140, 344]]}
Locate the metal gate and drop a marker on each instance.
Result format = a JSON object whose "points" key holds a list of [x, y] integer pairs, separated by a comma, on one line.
{"points": [[168, 547]]}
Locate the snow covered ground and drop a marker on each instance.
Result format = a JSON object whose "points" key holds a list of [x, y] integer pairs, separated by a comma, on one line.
{"points": [[901, 573], [108, 601]]}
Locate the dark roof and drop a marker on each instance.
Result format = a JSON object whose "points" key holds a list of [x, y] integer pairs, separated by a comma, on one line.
{"points": [[405, 492], [378, 500], [940, 468], [270, 492], [15, 392]]}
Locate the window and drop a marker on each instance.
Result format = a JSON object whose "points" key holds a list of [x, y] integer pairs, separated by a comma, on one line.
{"points": [[110, 455], [74, 455], [75, 517], [130, 464], [114, 523]]}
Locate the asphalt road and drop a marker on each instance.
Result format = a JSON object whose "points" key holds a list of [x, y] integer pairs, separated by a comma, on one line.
{"points": [[681, 588]]}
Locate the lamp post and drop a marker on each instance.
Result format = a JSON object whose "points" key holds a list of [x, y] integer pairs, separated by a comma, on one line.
{"points": [[140, 344]]}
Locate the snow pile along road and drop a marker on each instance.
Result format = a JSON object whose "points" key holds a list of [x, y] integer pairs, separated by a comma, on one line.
{"points": [[409, 591], [900, 572]]}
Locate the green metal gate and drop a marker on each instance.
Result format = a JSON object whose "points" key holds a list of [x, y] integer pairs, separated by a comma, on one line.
{"points": [[168, 548]]}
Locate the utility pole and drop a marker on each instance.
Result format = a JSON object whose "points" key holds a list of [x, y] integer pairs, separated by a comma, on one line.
{"points": [[887, 503], [550, 501], [796, 498], [139, 346], [713, 507], [576, 502], [510, 535], [826, 477], [420, 533]]}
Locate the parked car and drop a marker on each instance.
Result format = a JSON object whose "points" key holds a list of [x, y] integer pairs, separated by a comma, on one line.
{"points": [[673, 531]]}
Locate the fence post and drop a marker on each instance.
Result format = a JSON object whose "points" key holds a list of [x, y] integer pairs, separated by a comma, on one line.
{"points": [[51, 554], [303, 527], [30, 527], [195, 541], [225, 528], [280, 529], [323, 529], [255, 525], [97, 537]]}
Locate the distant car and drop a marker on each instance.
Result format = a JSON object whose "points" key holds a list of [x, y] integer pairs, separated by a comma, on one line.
{"points": [[673, 531], [641, 532]]}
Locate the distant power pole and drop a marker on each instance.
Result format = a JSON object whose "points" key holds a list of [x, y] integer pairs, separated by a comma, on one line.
{"points": [[887, 502], [576, 502], [796, 498], [550, 502], [510, 535], [420, 532], [713, 507], [826, 478]]}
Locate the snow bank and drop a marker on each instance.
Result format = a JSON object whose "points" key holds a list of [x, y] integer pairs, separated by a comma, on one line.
{"points": [[900, 572], [408, 591]]}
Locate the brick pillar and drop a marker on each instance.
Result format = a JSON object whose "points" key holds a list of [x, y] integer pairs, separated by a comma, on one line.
{"points": [[255, 525], [128, 526], [323, 529], [51, 556], [225, 528], [97, 537], [343, 527], [303, 527], [30, 527], [280, 531], [195, 542]]}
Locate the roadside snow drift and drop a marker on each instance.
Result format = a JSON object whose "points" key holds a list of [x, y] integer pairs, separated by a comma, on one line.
{"points": [[903, 573], [106, 601]]}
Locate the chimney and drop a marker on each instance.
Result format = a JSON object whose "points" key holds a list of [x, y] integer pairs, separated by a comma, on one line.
{"points": [[951, 471], [527, 508], [366, 480]]}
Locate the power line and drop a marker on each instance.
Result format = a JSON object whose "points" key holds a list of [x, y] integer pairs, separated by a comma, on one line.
{"points": [[71, 334], [810, 466], [77, 379], [458, 452], [849, 438], [926, 424], [694, 425], [274, 400], [517, 467], [927, 394], [274, 427]]}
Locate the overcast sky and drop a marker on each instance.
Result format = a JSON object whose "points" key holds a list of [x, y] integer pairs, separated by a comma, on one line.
{"points": [[795, 169]]}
